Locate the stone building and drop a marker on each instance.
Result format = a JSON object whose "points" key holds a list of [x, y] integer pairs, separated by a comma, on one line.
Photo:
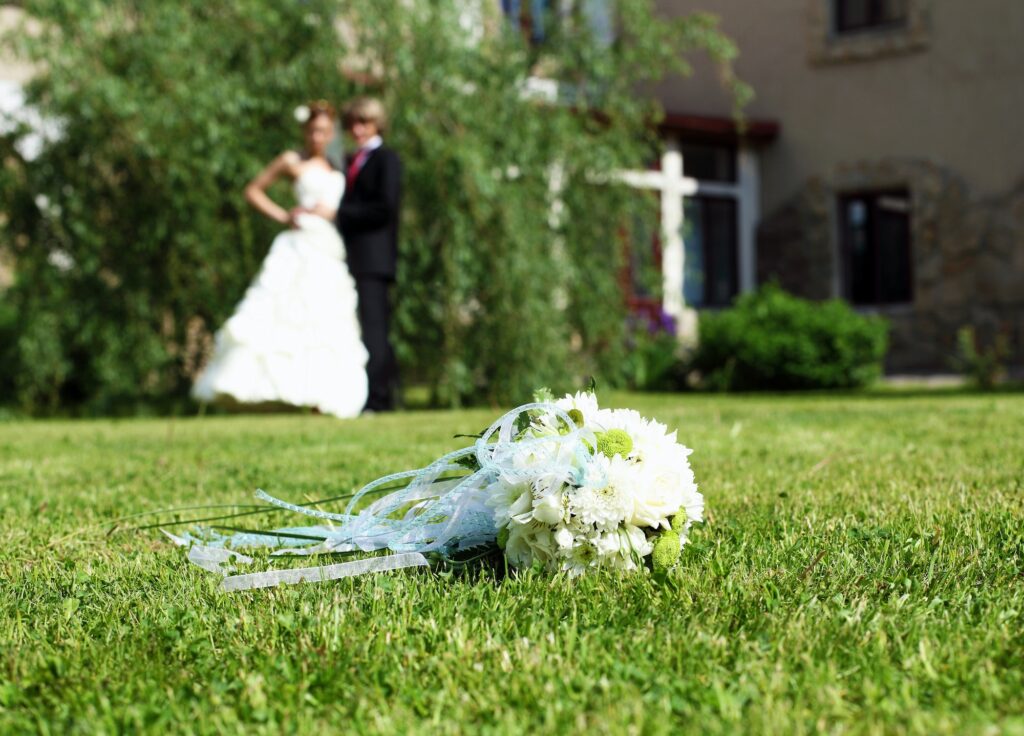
{"points": [[884, 165]]}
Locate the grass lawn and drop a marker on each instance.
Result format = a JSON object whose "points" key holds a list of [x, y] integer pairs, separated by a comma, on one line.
{"points": [[861, 570]]}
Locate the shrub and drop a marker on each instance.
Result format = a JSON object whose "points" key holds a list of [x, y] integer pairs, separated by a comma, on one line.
{"points": [[983, 367], [653, 360], [771, 340]]}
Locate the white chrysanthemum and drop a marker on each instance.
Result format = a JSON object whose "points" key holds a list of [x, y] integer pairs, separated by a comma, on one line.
{"points": [[584, 402], [606, 499], [664, 482], [582, 408]]}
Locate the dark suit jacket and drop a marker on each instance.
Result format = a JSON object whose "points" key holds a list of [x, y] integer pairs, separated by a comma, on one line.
{"points": [[368, 215]]}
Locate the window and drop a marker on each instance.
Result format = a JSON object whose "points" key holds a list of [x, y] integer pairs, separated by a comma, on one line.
{"points": [[528, 16], [709, 162], [534, 18], [710, 277], [875, 238], [854, 16]]}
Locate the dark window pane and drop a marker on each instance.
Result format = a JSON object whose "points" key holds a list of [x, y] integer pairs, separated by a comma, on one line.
{"points": [[875, 230], [894, 249], [853, 13], [862, 266], [693, 263], [859, 15], [709, 162], [720, 239], [710, 240]]}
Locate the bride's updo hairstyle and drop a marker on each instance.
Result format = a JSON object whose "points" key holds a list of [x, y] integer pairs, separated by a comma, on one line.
{"points": [[317, 108], [364, 110]]}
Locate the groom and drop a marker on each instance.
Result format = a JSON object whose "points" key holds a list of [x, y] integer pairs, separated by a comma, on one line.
{"points": [[368, 221]]}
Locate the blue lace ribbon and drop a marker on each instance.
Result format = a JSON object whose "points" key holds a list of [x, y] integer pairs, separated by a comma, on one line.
{"points": [[433, 513]]}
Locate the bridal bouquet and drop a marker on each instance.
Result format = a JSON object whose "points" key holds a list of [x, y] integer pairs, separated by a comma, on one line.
{"points": [[558, 484]]}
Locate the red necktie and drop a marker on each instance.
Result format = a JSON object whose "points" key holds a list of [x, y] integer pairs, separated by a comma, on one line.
{"points": [[355, 166]]}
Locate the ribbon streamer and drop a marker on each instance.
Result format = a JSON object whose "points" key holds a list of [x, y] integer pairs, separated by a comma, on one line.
{"points": [[433, 513], [320, 574]]}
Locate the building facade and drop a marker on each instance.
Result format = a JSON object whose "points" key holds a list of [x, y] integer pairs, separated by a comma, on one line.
{"points": [[883, 165]]}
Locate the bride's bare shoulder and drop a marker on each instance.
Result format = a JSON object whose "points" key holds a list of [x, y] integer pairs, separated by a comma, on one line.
{"points": [[289, 163]]}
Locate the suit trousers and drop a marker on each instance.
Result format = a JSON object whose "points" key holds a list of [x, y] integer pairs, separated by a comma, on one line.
{"points": [[375, 320]]}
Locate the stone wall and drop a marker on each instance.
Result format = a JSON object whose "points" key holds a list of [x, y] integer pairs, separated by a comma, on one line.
{"points": [[967, 256]]}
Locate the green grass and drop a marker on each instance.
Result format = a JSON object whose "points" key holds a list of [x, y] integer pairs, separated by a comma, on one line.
{"points": [[861, 571]]}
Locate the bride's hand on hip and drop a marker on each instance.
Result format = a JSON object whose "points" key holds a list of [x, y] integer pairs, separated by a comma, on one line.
{"points": [[293, 216]]}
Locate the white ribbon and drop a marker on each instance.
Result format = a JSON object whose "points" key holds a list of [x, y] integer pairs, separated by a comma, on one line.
{"points": [[320, 574]]}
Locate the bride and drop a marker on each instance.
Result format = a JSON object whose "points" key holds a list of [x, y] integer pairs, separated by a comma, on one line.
{"points": [[294, 338]]}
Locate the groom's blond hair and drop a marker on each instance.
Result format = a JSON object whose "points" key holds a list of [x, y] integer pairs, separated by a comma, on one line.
{"points": [[364, 110]]}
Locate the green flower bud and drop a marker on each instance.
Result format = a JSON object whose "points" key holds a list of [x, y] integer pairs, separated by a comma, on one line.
{"points": [[666, 552], [503, 537], [614, 442], [576, 416]]}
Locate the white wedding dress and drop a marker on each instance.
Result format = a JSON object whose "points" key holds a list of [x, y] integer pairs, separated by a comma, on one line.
{"points": [[295, 337]]}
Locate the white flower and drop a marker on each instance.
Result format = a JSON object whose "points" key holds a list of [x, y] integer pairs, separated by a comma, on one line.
{"points": [[663, 482], [564, 538], [549, 509], [61, 260], [606, 500], [301, 114], [528, 543], [584, 402], [508, 500], [608, 544]]}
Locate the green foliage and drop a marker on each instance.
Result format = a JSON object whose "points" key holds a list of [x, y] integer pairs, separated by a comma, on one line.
{"points": [[860, 571], [771, 340], [654, 356], [983, 367], [510, 247]]}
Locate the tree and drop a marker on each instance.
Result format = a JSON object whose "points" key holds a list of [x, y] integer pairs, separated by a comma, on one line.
{"points": [[135, 241]]}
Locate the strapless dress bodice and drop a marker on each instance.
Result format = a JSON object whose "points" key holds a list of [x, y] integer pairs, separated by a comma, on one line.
{"points": [[319, 186]]}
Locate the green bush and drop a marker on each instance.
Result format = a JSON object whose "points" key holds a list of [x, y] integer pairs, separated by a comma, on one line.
{"points": [[983, 367], [653, 360], [771, 340]]}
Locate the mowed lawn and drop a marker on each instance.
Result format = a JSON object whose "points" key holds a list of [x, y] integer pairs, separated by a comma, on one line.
{"points": [[861, 571]]}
